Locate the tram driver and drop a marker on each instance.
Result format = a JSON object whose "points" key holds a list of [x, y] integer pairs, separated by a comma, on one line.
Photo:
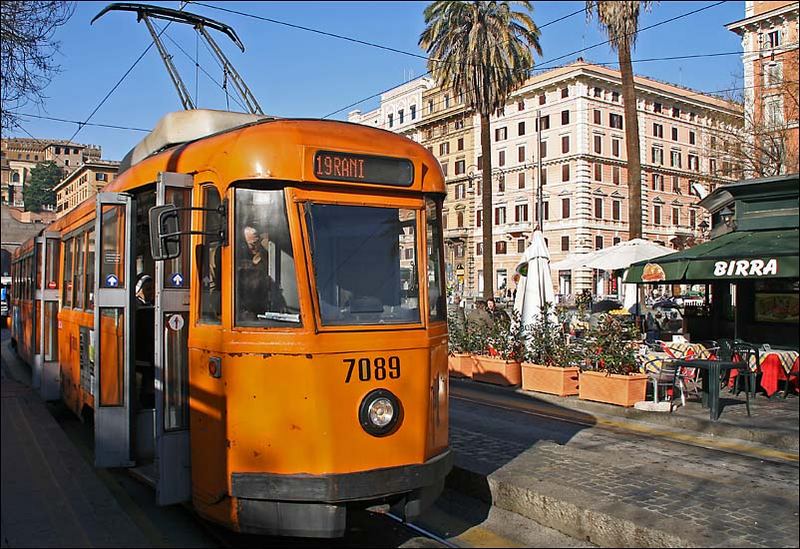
{"points": [[257, 291]]}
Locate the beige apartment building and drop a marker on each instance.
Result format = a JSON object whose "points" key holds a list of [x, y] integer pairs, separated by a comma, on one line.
{"points": [[18, 155], [684, 139], [770, 37], [86, 181]]}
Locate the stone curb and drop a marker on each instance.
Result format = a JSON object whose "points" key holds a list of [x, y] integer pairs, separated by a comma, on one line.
{"points": [[596, 526]]}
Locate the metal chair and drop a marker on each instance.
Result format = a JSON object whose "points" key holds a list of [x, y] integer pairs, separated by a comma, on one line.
{"points": [[663, 372]]}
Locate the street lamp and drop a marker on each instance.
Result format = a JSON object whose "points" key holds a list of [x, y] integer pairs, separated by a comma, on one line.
{"points": [[727, 216]]}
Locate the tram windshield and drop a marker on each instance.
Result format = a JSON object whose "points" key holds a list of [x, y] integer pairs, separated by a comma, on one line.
{"points": [[266, 284], [365, 264]]}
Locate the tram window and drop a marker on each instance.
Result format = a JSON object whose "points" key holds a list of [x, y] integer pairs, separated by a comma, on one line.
{"points": [[88, 290], [52, 259], [436, 295], [208, 255], [112, 247], [181, 198], [66, 295], [50, 331], [37, 268], [77, 293], [365, 264], [266, 284]]}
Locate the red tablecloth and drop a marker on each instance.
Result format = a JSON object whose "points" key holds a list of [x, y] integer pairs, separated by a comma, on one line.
{"points": [[772, 373]]}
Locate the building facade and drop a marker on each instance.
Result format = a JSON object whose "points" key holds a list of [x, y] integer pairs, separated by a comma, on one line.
{"points": [[769, 34], [19, 155], [578, 163], [84, 182]]}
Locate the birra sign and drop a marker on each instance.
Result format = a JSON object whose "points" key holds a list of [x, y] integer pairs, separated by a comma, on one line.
{"points": [[746, 267]]}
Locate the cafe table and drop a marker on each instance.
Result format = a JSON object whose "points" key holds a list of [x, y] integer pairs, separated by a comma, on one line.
{"points": [[710, 371]]}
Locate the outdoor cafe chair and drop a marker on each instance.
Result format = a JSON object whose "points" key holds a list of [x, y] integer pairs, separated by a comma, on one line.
{"points": [[747, 354], [663, 372]]}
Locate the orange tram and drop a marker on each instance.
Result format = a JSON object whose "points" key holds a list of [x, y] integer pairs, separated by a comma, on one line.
{"points": [[253, 315]]}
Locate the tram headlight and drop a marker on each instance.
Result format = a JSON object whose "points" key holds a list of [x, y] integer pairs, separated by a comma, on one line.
{"points": [[379, 412]]}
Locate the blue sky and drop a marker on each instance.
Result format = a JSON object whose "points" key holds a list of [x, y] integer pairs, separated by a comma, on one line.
{"points": [[297, 73]]}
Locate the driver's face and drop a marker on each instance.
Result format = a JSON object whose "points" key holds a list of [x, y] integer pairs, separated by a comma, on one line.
{"points": [[251, 237]]}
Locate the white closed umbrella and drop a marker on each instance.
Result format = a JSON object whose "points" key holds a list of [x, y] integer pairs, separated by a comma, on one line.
{"points": [[536, 283]]}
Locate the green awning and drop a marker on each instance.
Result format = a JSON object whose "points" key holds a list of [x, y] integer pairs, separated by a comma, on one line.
{"points": [[740, 255]]}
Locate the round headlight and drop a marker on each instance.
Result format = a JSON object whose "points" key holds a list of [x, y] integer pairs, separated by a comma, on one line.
{"points": [[379, 412]]}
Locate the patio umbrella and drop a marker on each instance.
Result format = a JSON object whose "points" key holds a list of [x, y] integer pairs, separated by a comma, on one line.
{"points": [[536, 283], [622, 255]]}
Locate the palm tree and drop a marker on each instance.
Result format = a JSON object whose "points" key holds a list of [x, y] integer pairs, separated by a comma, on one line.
{"points": [[483, 50], [620, 20]]}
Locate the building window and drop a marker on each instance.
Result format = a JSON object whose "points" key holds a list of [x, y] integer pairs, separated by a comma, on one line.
{"points": [[501, 158], [521, 180], [598, 144], [598, 242], [616, 206], [565, 243], [676, 184], [400, 116], [460, 219], [444, 168], [479, 248], [565, 144], [500, 134], [675, 159], [773, 110], [674, 133], [543, 176], [597, 92], [460, 144], [58, 150], [598, 117], [658, 182], [521, 154], [460, 165], [100, 177], [521, 128], [521, 213], [615, 121], [565, 172], [564, 92], [460, 190], [658, 130], [521, 105], [545, 211], [447, 101], [676, 112], [598, 208], [444, 148], [564, 118], [458, 124], [598, 171], [616, 240], [565, 208], [501, 183], [545, 122], [500, 247], [712, 166], [692, 138], [543, 149], [500, 215], [658, 155], [391, 120], [656, 215], [430, 106], [676, 216], [520, 245], [774, 39], [693, 218], [615, 97], [657, 107], [615, 147], [413, 112], [616, 172], [542, 99], [773, 73], [694, 162], [479, 218]]}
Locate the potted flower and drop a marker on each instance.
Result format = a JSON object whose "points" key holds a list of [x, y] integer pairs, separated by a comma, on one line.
{"points": [[461, 344], [611, 374], [551, 362], [503, 349]]}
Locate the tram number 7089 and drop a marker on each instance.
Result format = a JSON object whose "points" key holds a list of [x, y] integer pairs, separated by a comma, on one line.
{"points": [[379, 369]]}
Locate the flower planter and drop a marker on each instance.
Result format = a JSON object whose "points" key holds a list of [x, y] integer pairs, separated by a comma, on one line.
{"points": [[497, 371], [460, 364], [553, 380], [612, 388]]}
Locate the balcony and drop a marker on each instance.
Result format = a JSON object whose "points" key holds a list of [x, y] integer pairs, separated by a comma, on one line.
{"points": [[456, 233]]}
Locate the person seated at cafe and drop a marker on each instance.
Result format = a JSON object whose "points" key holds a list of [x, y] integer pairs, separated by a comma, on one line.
{"points": [[652, 328]]}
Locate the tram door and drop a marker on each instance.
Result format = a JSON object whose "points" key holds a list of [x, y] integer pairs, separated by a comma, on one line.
{"points": [[49, 245], [174, 483], [36, 299], [113, 318]]}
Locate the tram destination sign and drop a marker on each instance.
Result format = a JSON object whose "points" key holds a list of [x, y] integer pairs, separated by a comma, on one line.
{"points": [[362, 168]]}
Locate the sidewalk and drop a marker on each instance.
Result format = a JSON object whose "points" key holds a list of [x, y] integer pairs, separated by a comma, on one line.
{"points": [[614, 487], [50, 495]]}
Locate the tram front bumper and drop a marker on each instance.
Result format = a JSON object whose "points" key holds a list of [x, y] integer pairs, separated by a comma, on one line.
{"points": [[316, 505]]}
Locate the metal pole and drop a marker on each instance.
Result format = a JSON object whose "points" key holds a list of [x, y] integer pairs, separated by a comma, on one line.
{"points": [[540, 189], [183, 93]]}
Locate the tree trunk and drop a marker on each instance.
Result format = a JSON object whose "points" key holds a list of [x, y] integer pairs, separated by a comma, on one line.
{"points": [[631, 144], [488, 217]]}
